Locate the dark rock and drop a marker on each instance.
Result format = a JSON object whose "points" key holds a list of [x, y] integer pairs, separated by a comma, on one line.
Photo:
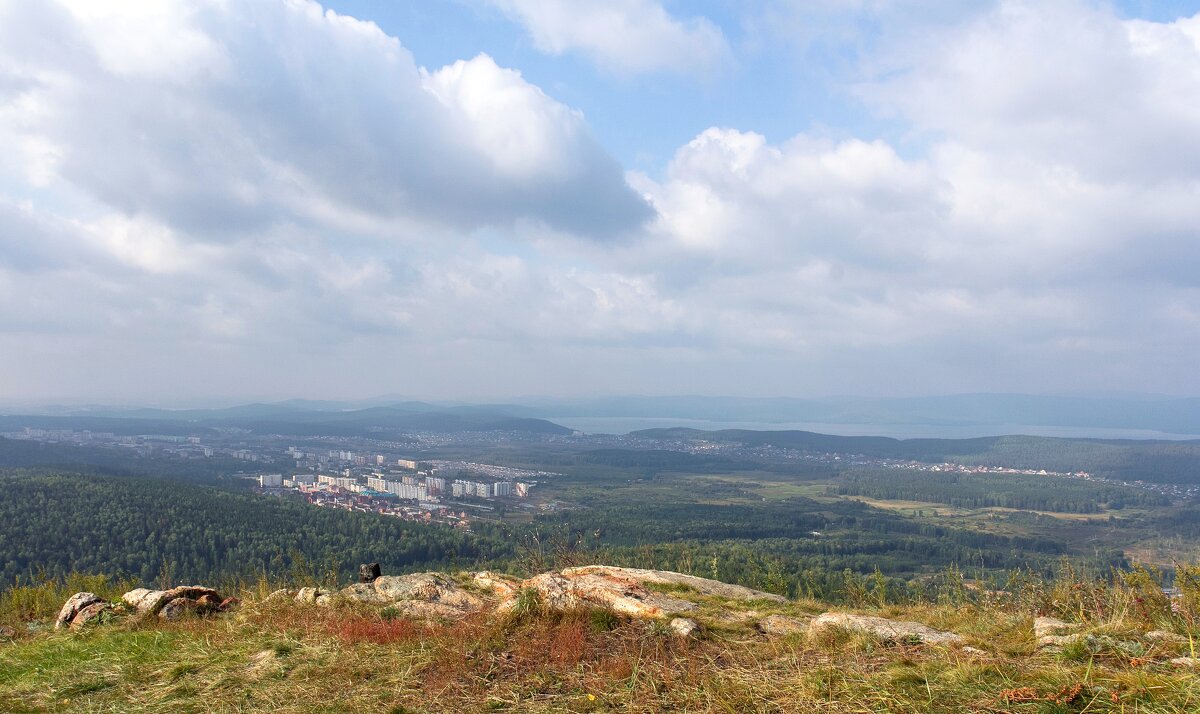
{"points": [[208, 603], [179, 608], [368, 572]]}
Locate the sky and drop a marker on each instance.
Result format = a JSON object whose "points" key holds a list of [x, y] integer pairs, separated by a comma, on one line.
{"points": [[476, 200]]}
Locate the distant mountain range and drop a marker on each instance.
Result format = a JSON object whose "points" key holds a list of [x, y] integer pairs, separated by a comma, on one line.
{"points": [[1149, 412], [1157, 413], [294, 418]]}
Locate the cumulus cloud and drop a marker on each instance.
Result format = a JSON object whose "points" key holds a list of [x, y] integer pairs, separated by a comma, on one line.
{"points": [[627, 36], [1063, 82], [226, 117], [1051, 212], [251, 177]]}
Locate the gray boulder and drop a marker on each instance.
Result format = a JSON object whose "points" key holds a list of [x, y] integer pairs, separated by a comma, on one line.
{"points": [[440, 595], [72, 607]]}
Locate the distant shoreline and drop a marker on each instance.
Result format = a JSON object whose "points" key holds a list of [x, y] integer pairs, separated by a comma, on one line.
{"points": [[624, 425]]}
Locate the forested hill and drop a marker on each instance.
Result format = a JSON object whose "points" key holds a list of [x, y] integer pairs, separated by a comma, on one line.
{"points": [[284, 420], [58, 524], [1126, 459]]}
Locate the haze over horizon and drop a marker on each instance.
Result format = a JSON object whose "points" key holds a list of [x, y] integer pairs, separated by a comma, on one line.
{"points": [[238, 201]]}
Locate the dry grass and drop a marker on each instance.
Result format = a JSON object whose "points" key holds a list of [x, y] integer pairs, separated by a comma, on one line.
{"points": [[352, 657]]}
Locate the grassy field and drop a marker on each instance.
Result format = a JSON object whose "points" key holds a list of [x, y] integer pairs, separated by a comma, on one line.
{"points": [[292, 658]]}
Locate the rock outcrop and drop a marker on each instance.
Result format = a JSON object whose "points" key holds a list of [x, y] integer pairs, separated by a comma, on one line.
{"points": [[623, 596], [630, 592], [702, 586], [177, 602], [312, 596], [883, 628], [79, 610], [142, 604], [623, 591], [418, 595]]}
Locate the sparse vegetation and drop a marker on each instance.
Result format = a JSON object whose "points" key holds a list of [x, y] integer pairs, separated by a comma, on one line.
{"points": [[283, 657]]}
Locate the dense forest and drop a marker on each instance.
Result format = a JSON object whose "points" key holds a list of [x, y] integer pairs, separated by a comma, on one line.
{"points": [[137, 527], [1121, 459], [58, 523], [215, 471], [1064, 495]]}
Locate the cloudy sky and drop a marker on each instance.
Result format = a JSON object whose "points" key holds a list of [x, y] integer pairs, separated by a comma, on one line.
{"points": [[251, 199]]}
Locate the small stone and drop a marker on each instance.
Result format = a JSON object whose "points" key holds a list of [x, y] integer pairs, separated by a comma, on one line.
{"points": [[1187, 662], [1044, 626], [779, 625], [973, 651], [72, 606], [7, 633], [684, 627]]}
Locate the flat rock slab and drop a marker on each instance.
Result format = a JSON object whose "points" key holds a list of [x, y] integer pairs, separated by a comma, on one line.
{"points": [[703, 586], [1063, 640], [496, 583], [883, 628], [1165, 637], [563, 591], [781, 625]]}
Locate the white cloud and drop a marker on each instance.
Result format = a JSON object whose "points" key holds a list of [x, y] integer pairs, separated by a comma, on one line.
{"points": [[626, 36], [1061, 82], [290, 179], [223, 117]]}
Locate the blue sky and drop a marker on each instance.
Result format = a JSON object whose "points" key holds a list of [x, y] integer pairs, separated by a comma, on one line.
{"points": [[482, 200], [777, 88]]}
